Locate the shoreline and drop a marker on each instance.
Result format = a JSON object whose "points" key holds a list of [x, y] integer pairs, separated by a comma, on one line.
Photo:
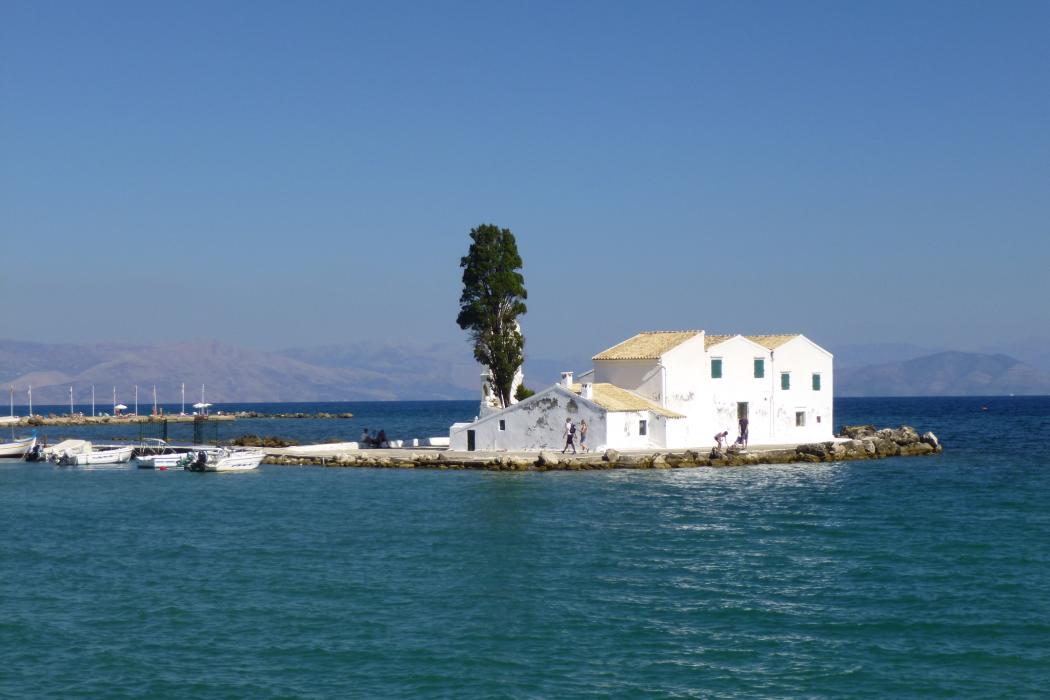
{"points": [[856, 443]]}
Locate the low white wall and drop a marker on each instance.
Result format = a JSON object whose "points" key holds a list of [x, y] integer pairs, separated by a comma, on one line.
{"points": [[537, 423]]}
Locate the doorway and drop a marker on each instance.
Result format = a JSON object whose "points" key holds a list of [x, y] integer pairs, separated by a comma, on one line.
{"points": [[470, 441], [741, 410]]}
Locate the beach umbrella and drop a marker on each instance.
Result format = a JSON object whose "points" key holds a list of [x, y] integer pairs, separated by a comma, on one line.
{"points": [[201, 405], [121, 407]]}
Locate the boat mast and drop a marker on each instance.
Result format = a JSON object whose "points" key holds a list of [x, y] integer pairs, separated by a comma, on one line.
{"points": [[92, 400], [154, 399], [12, 400], [136, 399], [30, 400], [70, 400], [114, 400], [182, 411]]}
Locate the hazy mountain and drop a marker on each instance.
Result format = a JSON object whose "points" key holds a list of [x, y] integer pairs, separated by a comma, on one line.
{"points": [[1034, 351], [390, 371], [229, 373], [430, 366], [943, 374], [864, 354], [356, 371]]}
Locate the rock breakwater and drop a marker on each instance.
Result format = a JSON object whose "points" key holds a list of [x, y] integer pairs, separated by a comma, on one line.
{"points": [[855, 443]]}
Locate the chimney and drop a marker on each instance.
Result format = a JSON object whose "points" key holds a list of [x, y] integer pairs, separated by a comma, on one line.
{"points": [[566, 380], [588, 391]]}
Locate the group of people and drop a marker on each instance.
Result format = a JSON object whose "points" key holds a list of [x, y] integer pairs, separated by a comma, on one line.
{"points": [[373, 439], [722, 438], [572, 434]]}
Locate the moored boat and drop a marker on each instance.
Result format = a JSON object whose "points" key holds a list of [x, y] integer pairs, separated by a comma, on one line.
{"points": [[17, 448], [223, 460], [97, 455], [154, 453]]}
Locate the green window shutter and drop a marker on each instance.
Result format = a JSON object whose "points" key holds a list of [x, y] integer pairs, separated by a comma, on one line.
{"points": [[816, 382], [760, 369], [785, 380], [716, 368]]}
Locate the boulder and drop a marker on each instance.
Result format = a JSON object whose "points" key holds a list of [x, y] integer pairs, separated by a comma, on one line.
{"points": [[930, 439], [660, 462], [857, 432], [611, 455], [885, 447], [905, 435], [813, 449], [547, 459]]}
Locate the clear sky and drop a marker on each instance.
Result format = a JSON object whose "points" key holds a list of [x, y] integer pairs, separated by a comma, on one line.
{"points": [[278, 174]]}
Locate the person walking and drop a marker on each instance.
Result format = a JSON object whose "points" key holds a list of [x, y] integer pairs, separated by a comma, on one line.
{"points": [[570, 436], [583, 436]]}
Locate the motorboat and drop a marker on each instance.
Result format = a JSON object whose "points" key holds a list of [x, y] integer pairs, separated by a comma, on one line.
{"points": [[223, 459], [98, 454], [18, 448], [154, 453]]}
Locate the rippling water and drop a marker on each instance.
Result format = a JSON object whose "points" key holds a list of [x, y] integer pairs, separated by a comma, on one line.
{"points": [[896, 578]]}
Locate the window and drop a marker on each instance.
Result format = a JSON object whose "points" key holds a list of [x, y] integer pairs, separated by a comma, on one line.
{"points": [[716, 368], [760, 368], [816, 382], [785, 380], [643, 427], [502, 424], [800, 419]]}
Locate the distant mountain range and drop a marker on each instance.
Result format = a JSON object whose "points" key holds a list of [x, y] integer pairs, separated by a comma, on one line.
{"points": [[351, 372], [388, 371], [943, 374]]}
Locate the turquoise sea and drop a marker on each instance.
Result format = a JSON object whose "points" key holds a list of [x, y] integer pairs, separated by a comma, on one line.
{"points": [[913, 577]]}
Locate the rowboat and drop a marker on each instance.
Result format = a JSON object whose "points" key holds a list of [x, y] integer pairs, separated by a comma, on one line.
{"points": [[18, 448], [98, 454]]}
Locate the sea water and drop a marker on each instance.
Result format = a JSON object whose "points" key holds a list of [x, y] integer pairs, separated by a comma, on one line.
{"points": [[906, 577]]}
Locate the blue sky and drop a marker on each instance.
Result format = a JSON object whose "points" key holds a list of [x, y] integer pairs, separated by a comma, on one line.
{"points": [[289, 174]]}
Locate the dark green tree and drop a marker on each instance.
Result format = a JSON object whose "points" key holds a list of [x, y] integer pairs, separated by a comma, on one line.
{"points": [[493, 297]]}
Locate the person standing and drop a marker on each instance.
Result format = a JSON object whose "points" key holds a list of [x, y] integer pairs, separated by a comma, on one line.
{"points": [[743, 432], [570, 436], [583, 436]]}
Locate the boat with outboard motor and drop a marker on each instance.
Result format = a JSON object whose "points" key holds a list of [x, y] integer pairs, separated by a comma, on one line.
{"points": [[154, 453], [95, 455], [223, 459]]}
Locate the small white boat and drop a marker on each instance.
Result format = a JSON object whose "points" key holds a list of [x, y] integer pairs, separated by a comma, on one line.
{"points": [[18, 448], [154, 453], [98, 454], [223, 459]]}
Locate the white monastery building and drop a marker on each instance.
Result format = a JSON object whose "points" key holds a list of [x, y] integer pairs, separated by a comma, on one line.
{"points": [[671, 389]]}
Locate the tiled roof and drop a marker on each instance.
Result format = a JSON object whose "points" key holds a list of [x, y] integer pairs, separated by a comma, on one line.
{"points": [[646, 346], [615, 399], [710, 340], [771, 342]]}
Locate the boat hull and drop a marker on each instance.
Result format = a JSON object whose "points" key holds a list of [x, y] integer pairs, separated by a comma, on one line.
{"points": [[18, 448], [226, 461]]}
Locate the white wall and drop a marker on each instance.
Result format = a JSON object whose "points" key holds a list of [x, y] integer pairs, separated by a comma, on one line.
{"points": [[643, 377], [738, 384], [687, 372], [802, 358], [537, 423]]}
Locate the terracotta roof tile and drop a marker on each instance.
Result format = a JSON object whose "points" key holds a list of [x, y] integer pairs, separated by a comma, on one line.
{"points": [[646, 346]]}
